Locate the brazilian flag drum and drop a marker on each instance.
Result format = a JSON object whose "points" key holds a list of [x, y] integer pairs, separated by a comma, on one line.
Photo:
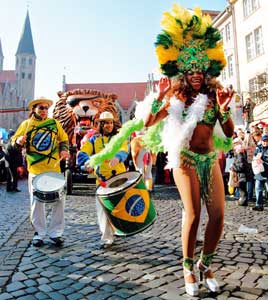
{"points": [[127, 203]]}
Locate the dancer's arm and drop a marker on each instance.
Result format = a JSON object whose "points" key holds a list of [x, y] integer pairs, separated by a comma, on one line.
{"points": [[224, 98], [158, 110]]}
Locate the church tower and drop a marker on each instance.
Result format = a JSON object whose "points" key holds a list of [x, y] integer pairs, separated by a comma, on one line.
{"points": [[1, 57], [25, 64]]}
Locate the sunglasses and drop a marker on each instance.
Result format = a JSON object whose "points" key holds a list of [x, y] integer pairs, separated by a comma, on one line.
{"points": [[42, 107]]}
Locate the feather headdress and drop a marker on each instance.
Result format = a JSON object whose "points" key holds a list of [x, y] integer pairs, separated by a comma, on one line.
{"points": [[189, 42]]}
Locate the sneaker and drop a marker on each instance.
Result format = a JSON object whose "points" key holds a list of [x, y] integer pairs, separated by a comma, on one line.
{"points": [[59, 241], [258, 208], [105, 246], [38, 243]]}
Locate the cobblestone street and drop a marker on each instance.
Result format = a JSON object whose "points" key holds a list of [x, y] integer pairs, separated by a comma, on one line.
{"points": [[144, 266]]}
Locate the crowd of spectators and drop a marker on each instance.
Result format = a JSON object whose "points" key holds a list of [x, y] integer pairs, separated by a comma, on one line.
{"points": [[246, 166]]}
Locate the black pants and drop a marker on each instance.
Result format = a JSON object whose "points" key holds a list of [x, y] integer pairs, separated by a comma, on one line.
{"points": [[12, 178], [243, 191]]}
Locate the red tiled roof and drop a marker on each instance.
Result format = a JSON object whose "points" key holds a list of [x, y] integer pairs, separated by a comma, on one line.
{"points": [[9, 76], [126, 92]]}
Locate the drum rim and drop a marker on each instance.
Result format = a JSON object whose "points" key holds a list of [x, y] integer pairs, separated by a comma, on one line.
{"points": [[47, 173], [119, 191]]}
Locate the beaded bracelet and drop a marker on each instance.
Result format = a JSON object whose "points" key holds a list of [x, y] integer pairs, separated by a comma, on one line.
{"points": [[225, 115], [156, 106]]}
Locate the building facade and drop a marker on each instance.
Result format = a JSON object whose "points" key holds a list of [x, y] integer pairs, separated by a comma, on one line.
{"points": [[17, 86], [243, 26]]}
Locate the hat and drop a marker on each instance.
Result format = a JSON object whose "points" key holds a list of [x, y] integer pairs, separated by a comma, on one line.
{"points": [[188, 41], [237, 141], [106, 115], [33, 102], [264, 137]]}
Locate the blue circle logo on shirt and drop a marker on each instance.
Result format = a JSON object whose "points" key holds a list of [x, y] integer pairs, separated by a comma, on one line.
{"points": [[42, 141]]}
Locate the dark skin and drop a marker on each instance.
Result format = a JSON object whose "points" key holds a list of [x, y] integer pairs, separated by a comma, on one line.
{"points": [[186, 178]]}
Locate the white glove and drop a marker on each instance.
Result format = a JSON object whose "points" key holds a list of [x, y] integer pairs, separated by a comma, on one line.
{"points": [[88, 167]]}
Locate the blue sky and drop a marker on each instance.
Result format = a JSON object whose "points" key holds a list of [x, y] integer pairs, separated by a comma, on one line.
{"points": [[88, 40]]}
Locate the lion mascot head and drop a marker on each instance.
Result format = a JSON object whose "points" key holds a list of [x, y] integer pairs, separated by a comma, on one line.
{"points": [[81, 108]]}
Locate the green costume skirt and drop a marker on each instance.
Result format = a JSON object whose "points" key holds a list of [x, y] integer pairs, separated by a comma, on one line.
{"points": [[202, 163]]}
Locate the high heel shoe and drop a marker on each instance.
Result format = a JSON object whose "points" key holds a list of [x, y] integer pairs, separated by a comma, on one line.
{"points": [[191, 288], [210, 283]]}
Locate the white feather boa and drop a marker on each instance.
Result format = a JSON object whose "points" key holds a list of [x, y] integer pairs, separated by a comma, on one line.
{"points": [[177, 132]]}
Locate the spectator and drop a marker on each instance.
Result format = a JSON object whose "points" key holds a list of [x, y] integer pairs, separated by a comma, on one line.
{"points": [[248, 111], [15, 160], [261, 152], [241, 167]]}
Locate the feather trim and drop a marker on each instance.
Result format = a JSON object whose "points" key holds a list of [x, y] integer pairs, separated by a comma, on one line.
{"points": [[177, 132]]}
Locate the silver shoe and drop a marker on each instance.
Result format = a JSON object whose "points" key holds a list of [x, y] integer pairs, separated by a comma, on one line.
{"points": [[210, 283], [191, 289]]}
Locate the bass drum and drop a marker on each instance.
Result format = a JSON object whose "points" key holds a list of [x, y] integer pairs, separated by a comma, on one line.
{"points": [[47, 186], [127, 203]]}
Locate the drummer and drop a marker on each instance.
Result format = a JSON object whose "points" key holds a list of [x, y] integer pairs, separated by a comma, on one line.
{"points": [[106, 128], [46, 143]]}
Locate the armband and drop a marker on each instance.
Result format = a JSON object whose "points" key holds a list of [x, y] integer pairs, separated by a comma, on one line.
{"points": [[225, 115], [156, 106]]}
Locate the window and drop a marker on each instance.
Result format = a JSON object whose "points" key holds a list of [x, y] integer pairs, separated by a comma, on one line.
{"points": [[258, 41], [250, 46], [222, 34], [22, 75], [23, 61], [228, 32], [230, 65], [30, 76], [254, 44], [30, 61], [223, 74], [253, 84], [250, 6]]}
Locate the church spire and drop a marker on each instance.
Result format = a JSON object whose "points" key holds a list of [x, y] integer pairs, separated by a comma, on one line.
{"points": [[26, 45]]}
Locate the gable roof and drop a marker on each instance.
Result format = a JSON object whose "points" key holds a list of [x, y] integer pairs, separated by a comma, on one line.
{"points": [[26, 45], [127, 92], [8, 75]]}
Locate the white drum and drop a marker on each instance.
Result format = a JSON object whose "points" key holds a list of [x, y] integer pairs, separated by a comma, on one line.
{"points": [[47, 186]]}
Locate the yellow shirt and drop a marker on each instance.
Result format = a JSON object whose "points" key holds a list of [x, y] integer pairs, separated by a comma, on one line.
{"points": [[94, 145], [45, 139]]}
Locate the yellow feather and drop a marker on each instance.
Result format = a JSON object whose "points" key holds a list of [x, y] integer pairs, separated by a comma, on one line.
{"points": [[164, 55], [181, 13], [198, 12], [170, 25], [217, 53]]}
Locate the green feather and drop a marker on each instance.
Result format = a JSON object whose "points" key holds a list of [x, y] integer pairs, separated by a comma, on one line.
{"points": [[152, 138], [163, 39], [222, 144], [116, 142], [170, 68]]}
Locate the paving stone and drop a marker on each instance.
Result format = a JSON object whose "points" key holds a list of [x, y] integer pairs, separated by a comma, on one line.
{"points": [[14, 286], [144, 266], [56, 296], [6, 296]]}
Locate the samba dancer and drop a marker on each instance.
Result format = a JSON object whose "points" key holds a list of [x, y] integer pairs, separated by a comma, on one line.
{"points": [[95, 144], [46, 144], [190, 100]]}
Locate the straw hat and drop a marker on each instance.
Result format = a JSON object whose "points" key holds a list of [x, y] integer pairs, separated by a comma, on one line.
{"points": [[106, 115], [33, 102]]}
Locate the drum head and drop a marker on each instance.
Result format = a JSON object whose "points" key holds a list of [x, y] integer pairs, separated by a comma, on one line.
{"points": [[119, 183], [49, 182]]}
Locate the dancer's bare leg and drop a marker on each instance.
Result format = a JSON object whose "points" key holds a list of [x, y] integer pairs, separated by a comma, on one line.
{"points": [[188, 185]]}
